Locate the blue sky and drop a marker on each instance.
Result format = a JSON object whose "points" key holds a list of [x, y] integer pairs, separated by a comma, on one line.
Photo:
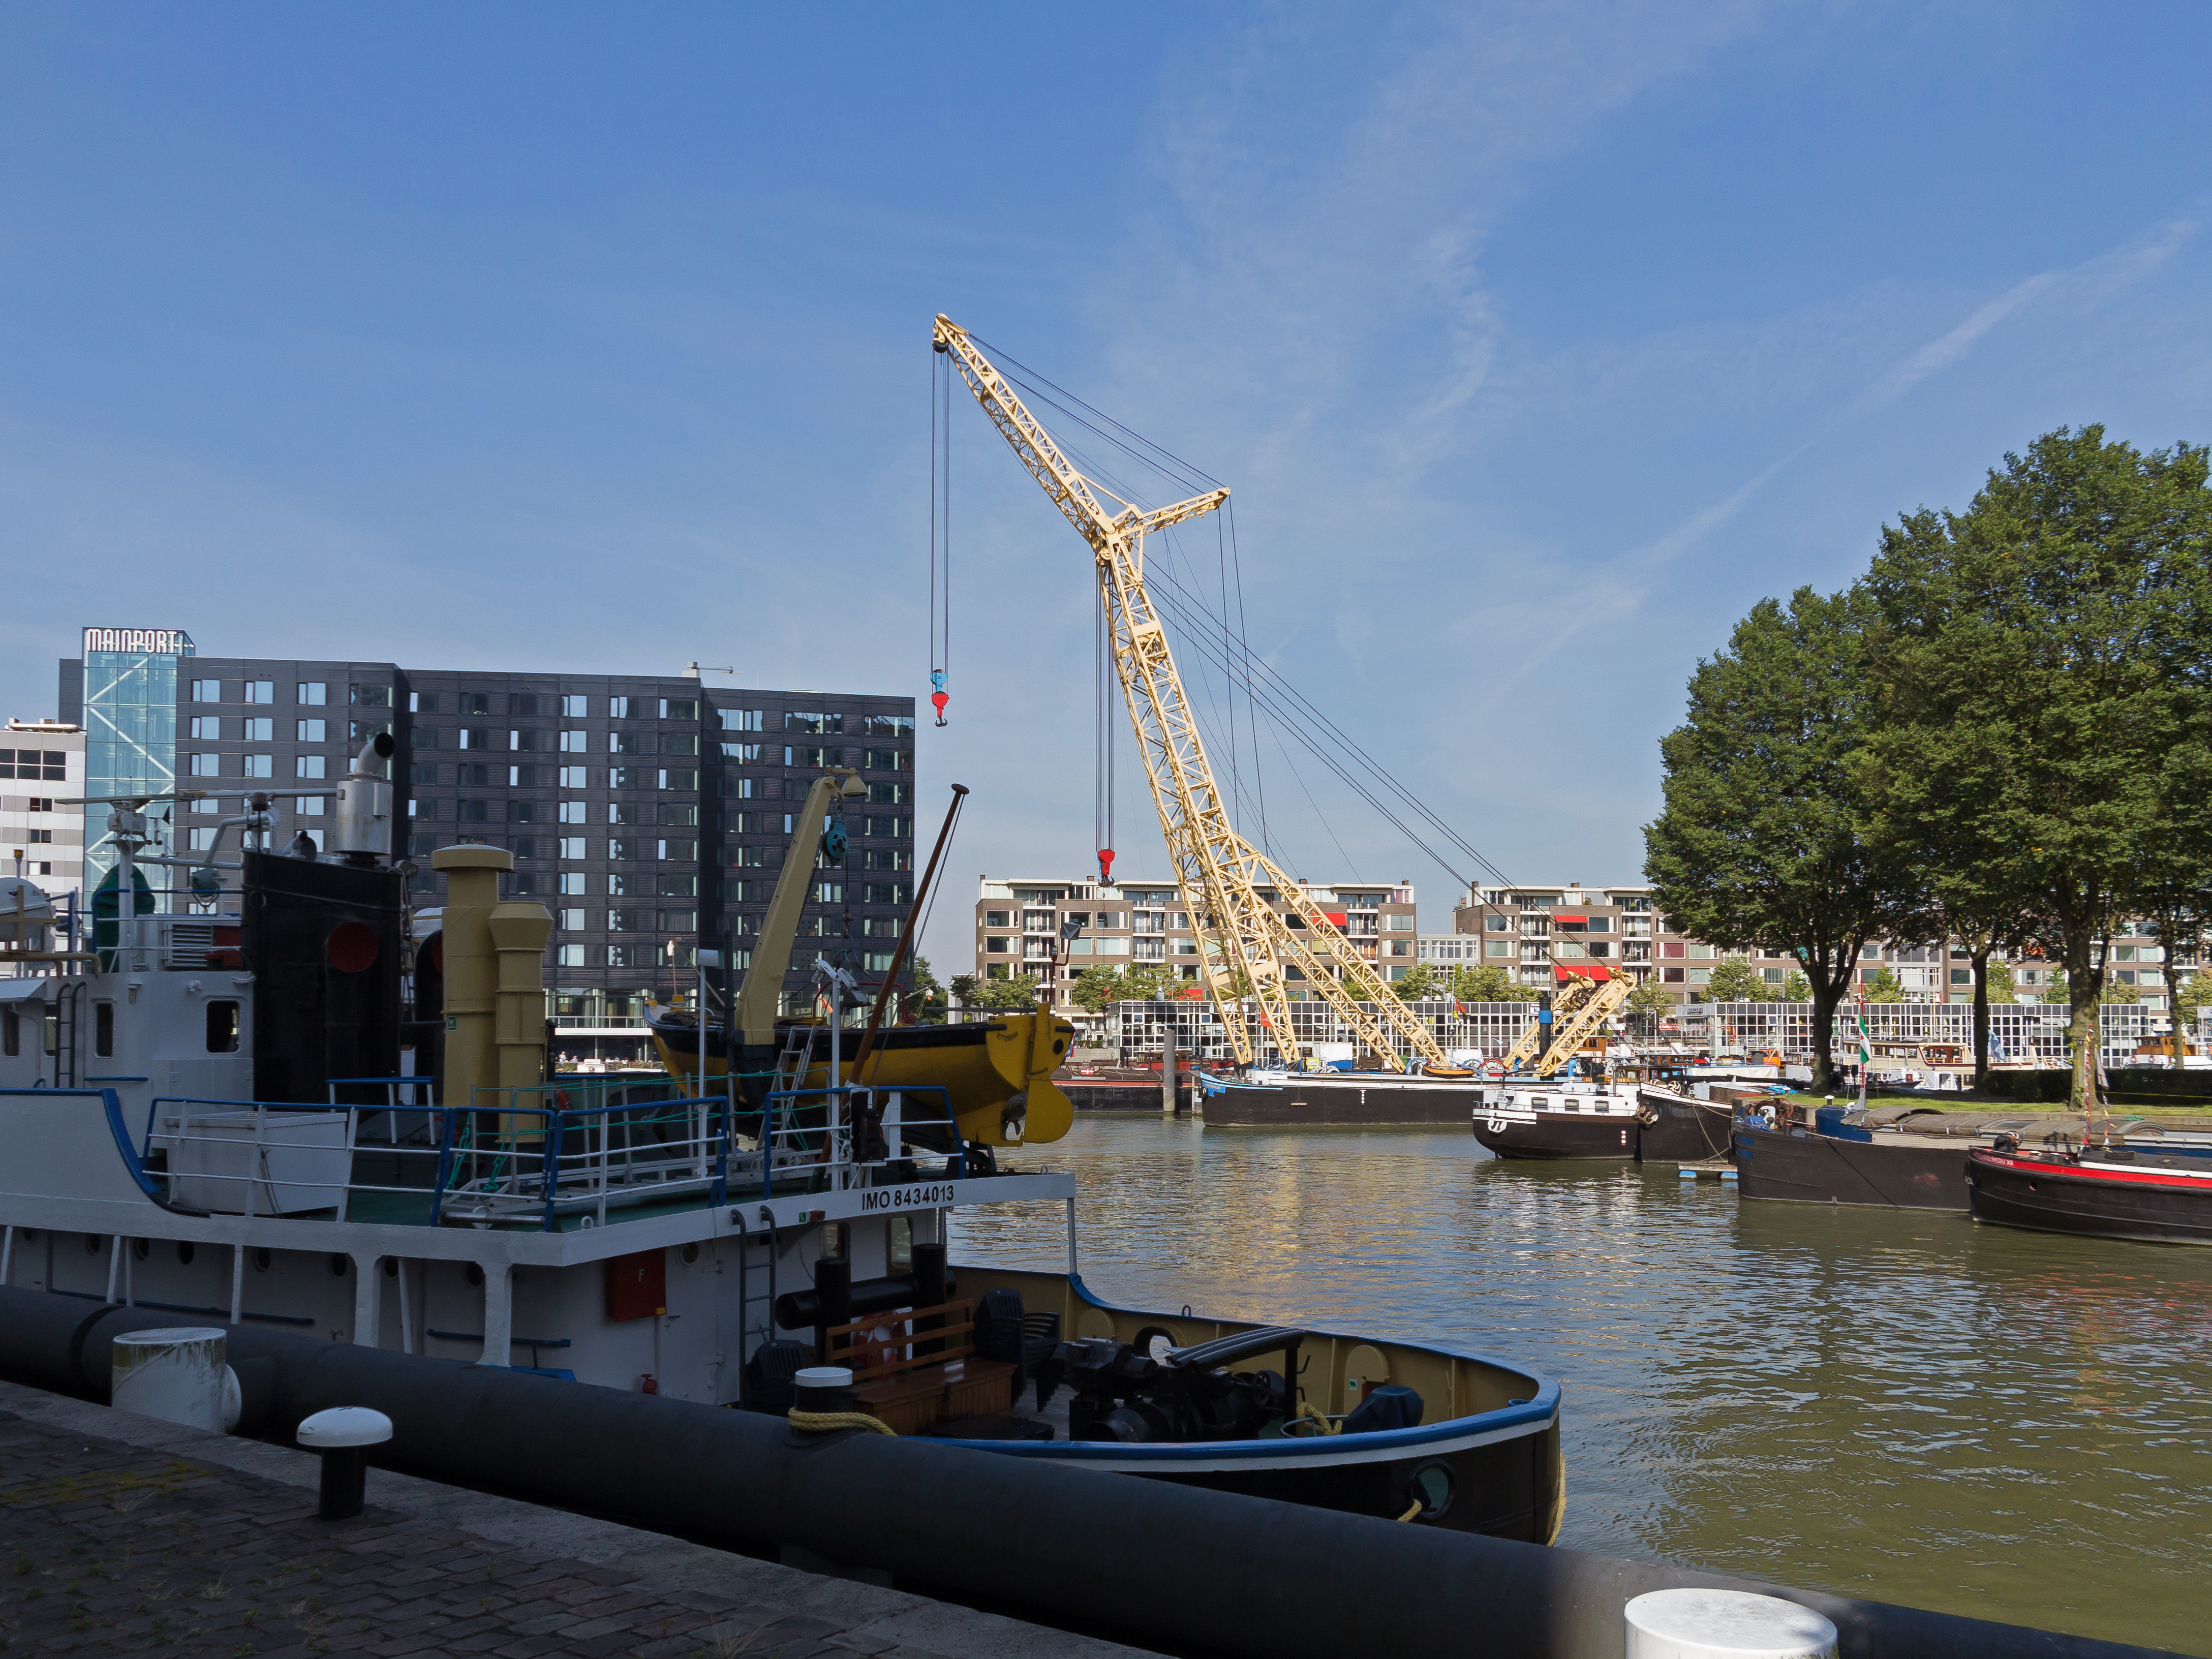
{"points": [[1537, 344]]}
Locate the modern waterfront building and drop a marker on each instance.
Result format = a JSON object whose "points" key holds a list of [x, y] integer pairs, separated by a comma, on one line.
{"points": [[41, 839], [649, 812], [1019, 923]]}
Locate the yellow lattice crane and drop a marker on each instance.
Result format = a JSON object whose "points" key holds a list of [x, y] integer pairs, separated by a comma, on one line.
{"points": [[1582, 1003], [1244, 943]]}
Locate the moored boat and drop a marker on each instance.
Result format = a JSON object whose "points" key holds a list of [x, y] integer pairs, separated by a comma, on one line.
{"points": [[2093, 1190], [1558, 1118], [1897, 1171], [996, 1075], [1311, 1098], [1914, 1158], [1098, 1088], [1673, 1127], [233, 1139]]}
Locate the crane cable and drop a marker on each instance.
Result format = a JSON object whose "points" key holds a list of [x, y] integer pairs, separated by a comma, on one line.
{"points": [[1224, 645], [940, 646]]}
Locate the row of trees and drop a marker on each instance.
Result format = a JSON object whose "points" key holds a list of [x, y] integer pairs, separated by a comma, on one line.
{"points": [[2001, 734]]}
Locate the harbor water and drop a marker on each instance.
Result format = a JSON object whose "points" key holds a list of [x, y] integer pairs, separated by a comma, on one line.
{"points": [[1893, 1404]]}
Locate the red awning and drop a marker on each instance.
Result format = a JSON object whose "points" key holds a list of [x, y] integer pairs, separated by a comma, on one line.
{"points": [[1563, 916], [1335, 919], [1561, 973]]}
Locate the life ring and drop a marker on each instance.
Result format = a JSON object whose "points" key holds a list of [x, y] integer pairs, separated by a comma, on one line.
{"points": [[1494, 1069]]}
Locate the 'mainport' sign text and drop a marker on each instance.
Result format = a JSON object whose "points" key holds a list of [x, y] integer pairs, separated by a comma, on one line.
{"points": [[157, 641]]}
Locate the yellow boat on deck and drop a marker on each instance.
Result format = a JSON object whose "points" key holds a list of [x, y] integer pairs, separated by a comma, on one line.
{"points": [[996, 1075]]}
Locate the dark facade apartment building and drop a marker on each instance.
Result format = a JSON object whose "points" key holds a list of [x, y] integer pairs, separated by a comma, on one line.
{"points": [[650, 814]]}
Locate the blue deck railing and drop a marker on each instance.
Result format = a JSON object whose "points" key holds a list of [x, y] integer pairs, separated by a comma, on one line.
{"points": [[581, 1151]]}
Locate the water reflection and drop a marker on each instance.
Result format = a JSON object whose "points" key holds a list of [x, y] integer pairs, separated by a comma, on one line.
{"points": [[1890, 1404]]}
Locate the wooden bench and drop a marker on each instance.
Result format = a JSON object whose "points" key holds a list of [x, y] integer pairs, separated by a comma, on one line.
{"points": [[914, 1367]]}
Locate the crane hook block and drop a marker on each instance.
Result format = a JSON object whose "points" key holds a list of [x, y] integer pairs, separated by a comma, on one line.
{"points": [[939, 699], [1106, 866]]}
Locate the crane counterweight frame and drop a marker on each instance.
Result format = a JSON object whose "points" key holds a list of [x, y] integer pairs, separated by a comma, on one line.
{"points": [[1245, 946]]}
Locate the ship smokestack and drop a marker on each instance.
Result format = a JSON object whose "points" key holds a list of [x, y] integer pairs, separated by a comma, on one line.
{"points": [[362, 831]]}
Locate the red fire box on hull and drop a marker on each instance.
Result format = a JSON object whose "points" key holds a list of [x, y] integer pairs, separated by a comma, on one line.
{"points": [[637, 1285]]}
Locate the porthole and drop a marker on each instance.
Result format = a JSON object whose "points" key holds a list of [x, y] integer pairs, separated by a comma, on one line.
{"points": [[690, 1253], [141, 1248], [1431, 1487], [261, 1258], [391, 1267], [92, 1244], [475, 1274], [185, 1252], [339, 1264]]}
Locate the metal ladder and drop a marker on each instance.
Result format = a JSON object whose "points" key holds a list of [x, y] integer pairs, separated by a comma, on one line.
{"points": [[68, 1002]]}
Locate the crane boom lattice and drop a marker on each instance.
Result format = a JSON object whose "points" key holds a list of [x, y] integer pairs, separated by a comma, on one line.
{"points": [[1245, 946]]}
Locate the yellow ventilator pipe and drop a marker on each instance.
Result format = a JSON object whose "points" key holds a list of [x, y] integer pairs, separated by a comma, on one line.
{"points": [[471, 968], [519, 929]]}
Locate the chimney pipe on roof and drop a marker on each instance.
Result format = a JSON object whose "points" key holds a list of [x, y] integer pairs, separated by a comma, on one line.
{"points": [[362, 832]]}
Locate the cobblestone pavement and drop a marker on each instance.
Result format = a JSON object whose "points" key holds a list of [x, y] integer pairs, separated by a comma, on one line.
{"points": [[109, 1548]]}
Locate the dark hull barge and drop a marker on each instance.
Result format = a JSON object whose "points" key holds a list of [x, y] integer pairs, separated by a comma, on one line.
{"points": [[1898, 1173], [1303, 1099], [2096, 1193], [1679, 1128], [1546, 1119]]}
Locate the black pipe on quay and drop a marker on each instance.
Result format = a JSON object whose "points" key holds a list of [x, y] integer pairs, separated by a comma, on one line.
{"points": [[1198, 1569]]}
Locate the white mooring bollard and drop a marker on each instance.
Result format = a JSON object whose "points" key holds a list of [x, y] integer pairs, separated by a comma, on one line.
{"points": [[1720, 1624], [344, 1434], [178, 1375]]}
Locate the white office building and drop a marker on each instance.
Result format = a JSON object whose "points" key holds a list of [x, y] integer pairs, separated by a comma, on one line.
{"points": [[41, 765]]}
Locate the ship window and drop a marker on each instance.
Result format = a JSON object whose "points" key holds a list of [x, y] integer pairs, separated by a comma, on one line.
{"points": [[836, 1238], [901, 1246], [11, 1033], [103, 1029], [223, 1028]]}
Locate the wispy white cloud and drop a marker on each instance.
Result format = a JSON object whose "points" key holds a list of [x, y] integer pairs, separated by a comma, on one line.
{"points": [[1617, 588]]}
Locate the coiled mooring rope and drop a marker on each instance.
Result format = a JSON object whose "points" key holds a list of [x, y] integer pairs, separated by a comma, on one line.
{"points": [[820, 1422], [1309, 1410]]}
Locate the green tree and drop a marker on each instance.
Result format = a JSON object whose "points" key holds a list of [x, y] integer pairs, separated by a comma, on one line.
{"points": [[2196, 990], [1762, 843], [966, 988], [1417, 981], [1735, 980], [1017, 991], [2045, 704], [1996, 985], [1097, 988], [2116, 992], [1796, 988], [2181, 914], [1489, 983], [1884, 987], [928, 994], [1649, 1001]]}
